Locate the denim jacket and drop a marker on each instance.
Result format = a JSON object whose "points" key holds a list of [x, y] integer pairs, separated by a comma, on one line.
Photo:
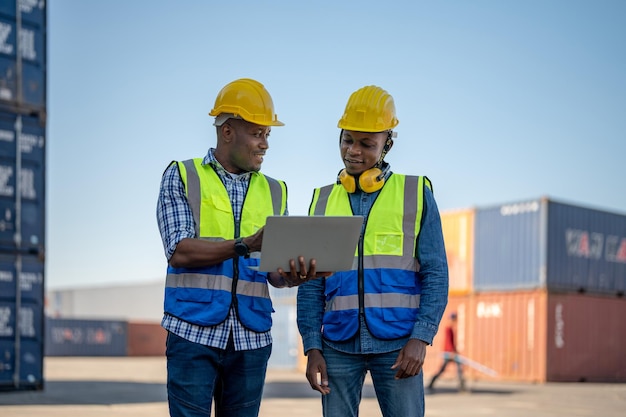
{"points": [[434, 297]]}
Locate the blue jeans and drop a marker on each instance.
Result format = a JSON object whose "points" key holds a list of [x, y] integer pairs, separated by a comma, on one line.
{"points": [[346, 375], [196, 374]]}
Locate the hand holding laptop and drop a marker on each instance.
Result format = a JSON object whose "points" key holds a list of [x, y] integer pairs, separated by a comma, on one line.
{"points": [[297, 246], [299, 274]]}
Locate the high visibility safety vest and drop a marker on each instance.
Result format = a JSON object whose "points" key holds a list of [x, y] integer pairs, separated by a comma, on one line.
{"points": [[203, 296], [383, 284]]}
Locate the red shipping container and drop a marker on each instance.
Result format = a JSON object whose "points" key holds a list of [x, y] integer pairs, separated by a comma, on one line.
{"points": [[586, 338], [146, 339], [537, 336]]}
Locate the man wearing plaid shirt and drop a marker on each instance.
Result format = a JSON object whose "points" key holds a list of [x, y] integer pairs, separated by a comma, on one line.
{"points": [[211, 213]]}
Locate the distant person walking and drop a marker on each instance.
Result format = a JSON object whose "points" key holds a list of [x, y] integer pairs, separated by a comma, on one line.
{"points": [[211, 212], [450, 353]]}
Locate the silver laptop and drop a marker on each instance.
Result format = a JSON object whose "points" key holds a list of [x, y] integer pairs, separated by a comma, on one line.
{"points": [[330, 240]]}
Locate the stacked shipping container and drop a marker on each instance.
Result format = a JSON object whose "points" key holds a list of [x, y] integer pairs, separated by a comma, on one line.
{"points": [[543, 299], [22, 192], [98, 337]]}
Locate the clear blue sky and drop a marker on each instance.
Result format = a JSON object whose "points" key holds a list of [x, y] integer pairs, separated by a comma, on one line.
{"points": [[498, 101]]}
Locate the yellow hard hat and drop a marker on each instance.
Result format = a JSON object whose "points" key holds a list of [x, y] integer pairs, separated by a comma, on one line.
{"points": [[369, 109], [248, 99]]}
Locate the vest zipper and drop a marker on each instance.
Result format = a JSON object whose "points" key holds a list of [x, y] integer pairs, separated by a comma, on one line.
{"points": [[233, 289], [361, 278]]}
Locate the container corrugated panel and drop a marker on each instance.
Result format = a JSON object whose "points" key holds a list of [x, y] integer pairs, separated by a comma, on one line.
{"points": [[458, 234], [285, 349], [69, 337], [283, 295], [21, 346], [29, 321], [509, 247], [145, 339], [30, 134], [30, 277], [586, 250], [586, 338], [23, 84], [32, 11], [287, 346], [26, 361], [507, 333]]}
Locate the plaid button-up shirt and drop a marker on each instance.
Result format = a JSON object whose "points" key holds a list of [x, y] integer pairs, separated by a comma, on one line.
{"points": [[176, 223]]}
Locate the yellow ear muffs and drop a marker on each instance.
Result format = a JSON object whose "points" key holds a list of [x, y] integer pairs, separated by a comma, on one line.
{"points": [[347, 181], [370, 180]]}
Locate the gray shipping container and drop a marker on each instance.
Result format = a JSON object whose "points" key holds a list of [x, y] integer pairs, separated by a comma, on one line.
{"points": [[545, 244], [77, 337], [285, 334]]}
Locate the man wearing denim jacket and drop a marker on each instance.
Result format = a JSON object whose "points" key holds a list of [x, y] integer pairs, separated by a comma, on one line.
{"points": [[380, 315]]}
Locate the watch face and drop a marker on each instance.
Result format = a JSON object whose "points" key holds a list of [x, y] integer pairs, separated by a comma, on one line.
{"points": [[241, 248]]}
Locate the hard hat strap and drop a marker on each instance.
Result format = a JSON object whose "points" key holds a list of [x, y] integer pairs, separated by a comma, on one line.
{"points": [[388, 143]]}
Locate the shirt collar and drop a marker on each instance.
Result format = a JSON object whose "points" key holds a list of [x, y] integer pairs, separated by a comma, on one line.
{"points": [[210, 159]]}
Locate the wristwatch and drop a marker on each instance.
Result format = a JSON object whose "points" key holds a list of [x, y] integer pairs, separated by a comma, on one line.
{"points": [[241, 249]]}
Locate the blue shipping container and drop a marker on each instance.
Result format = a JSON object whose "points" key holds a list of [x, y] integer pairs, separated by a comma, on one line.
{"points": [[23, 54], [77, 337], [30, 134], [29, 322], [32, 11], [547, 244], [586, 249], [21, 346], [27, 271], [21, 369]]}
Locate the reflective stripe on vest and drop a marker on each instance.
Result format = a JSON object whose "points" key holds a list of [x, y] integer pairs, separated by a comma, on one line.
{"points": [[391, 287], [203, 296]]}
